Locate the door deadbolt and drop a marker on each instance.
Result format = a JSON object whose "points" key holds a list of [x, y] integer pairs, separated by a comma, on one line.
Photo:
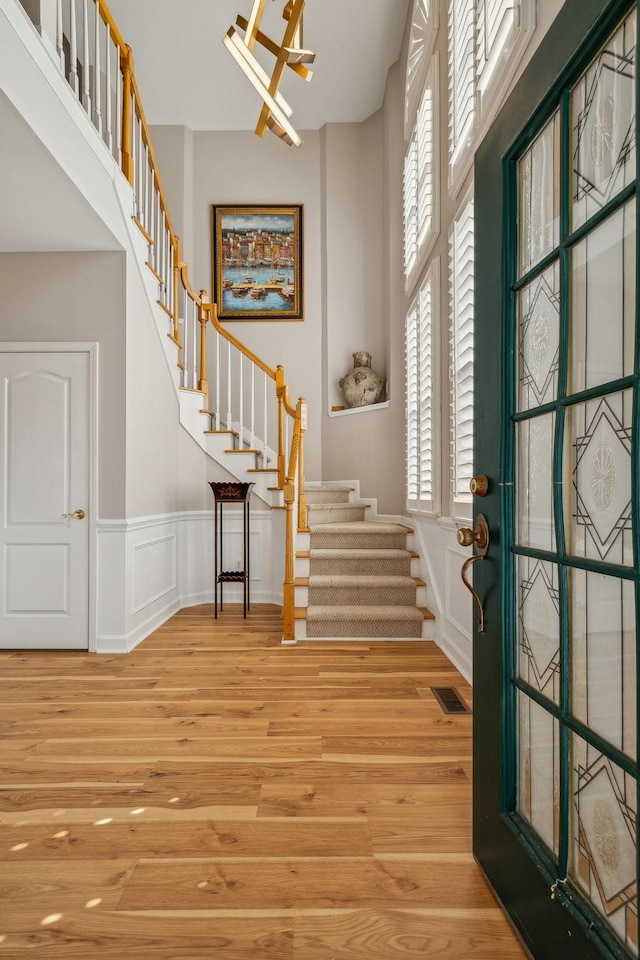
{"points": [[479, 485]]}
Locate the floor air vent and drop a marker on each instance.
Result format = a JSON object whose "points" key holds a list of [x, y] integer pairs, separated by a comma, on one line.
{"points": [[450, 700]]}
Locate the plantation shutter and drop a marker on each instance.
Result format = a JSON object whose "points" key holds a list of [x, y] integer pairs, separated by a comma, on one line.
{"points": [[461, 279], [419, 182], [410, 201], [425, 299], [462, 70], [496, 22], [413, 404], [420, 393], [424, 166]]}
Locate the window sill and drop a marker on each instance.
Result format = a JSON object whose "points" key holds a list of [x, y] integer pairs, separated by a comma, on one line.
{"points": [[350, 410]]}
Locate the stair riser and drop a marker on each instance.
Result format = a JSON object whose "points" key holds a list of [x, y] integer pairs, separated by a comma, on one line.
{"points": [[331, 514], [327, 496], [303, 568], [303, 598], [428, 633], [354, 567], [363, 595], [355, 628], [367, 541]]}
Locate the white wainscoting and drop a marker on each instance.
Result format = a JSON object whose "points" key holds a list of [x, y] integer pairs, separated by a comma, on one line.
{"points": [[151, 567], [441, 561]]}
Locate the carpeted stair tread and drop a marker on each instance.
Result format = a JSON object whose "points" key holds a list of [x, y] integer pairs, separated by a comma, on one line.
{"points": [[361, 526], [329, 580]]}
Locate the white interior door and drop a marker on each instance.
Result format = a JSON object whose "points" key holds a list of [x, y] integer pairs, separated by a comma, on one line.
{"points": [[44, 464]]}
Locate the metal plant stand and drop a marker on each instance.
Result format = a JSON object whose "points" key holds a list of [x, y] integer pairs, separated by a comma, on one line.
{"points": [[231, 493]]}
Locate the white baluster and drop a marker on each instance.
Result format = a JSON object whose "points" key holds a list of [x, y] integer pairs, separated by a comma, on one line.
{"points": [[170, 277], [147, 177], [217, 408], [252, 438], [73, 49], [195, 341], [86, 67], [139, 173], [60, 34], [165, 252], [109, 132], [97, 82], [119, 97], [264, 438], [229, 426], [241, 396]]}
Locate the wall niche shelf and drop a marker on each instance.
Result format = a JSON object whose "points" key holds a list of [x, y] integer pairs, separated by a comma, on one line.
{"points": [[348, 411]]}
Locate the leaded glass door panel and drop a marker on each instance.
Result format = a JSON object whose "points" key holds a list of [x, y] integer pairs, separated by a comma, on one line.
{"points": [[555, 829]]}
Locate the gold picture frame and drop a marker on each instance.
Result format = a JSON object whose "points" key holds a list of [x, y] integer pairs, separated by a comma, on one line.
{"points": [[258, 261]]}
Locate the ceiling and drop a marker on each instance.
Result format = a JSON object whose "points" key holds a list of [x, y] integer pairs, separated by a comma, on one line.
{"points": [[186, 76]]}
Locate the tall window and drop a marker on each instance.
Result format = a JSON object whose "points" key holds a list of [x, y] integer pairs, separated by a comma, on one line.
{"points": [[419, 356], [420, 200], [486, 39], [461, 291]]}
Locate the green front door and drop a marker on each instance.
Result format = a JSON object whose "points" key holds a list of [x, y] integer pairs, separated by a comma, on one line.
{"points": [[556, 711]]}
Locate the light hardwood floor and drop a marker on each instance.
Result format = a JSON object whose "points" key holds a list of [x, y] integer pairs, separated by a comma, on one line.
{"points": [[217, 795]]}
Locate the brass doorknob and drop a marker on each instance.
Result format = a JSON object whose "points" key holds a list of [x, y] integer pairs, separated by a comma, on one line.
{"points": [[76, 515], [479, 536], [465, 536]]}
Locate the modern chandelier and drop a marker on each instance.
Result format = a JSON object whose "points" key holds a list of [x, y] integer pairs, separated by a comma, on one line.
{"points": [[290, 53]]}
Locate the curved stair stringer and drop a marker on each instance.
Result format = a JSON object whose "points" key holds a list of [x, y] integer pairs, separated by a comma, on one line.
{"points": [[358, 572], [244, 465]]}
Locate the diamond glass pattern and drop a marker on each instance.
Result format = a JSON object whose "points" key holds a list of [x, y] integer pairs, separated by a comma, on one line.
{"points": [[603, 285], [539, 326], [539, 197], [539, 770], [603, 125], [599, 443], [534, 489], [539, 625], [603, 853], [603, 656]]}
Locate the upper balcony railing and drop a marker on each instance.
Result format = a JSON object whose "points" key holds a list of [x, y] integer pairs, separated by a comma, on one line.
{"points": [[242, 393]]}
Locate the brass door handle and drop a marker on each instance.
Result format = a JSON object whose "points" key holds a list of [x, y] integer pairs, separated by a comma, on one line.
{"points": [[76, 515], [479, 536]]}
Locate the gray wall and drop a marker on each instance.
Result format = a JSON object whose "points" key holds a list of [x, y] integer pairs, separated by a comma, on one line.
{"points": [[77, 297], [340, 175]]}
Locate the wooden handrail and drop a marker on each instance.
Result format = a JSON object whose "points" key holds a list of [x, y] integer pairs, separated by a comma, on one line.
{"points": [[213, 313], [107, 17], [153, 163]]}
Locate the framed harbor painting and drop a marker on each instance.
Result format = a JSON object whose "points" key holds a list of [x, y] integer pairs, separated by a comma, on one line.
{"points": [[257, 262]]}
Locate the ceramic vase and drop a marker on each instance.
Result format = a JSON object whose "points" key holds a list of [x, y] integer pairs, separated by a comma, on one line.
{"points": [[361, 386]]}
